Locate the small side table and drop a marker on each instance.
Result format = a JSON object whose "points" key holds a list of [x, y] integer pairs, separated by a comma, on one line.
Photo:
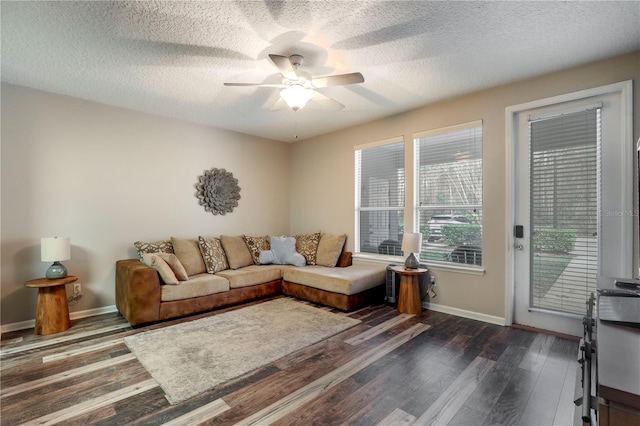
{"points": [[52, 314], [409, 294]]}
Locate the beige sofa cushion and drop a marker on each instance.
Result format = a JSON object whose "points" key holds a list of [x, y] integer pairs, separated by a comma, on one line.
{"points": [[251, 275], [188, 251], [349, 280], [329, 249], [197, 286], [238, 253]]}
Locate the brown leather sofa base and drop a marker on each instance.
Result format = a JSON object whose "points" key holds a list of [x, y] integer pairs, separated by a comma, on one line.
{"points": [[138, 294], [341, 301]]}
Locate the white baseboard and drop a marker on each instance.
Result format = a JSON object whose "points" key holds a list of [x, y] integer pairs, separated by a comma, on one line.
{"points": [[72, 315], [93, 312], [18, 326], [465, 314]]}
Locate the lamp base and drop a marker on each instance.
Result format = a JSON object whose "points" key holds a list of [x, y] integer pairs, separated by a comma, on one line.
{"points": [[411, 262], [57, 270]]}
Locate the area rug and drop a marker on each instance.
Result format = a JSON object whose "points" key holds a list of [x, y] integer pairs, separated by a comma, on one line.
{"points": [[190, 358]]}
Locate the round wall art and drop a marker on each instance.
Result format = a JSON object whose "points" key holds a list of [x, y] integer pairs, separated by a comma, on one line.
{"points": [[218, 191]]}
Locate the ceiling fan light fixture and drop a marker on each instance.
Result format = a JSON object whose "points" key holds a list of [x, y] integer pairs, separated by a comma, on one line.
{"points": [[296, 96]]}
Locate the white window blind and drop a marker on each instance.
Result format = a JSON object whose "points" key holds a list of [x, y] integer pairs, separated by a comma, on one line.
{"points": [[449, 192], [380, 175], [564, 184]]}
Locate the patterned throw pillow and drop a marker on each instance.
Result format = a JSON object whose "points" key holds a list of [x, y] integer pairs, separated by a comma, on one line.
{"points": [[163, 246], [256, 245], [307, 245], [213, 254]]}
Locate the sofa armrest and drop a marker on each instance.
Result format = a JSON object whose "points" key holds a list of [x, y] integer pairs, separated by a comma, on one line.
{"points": [[345, 260], [138, 291]]}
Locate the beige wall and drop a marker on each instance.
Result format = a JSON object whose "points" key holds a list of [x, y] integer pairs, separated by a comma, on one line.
{"points": [[325, 165], [107, 177]]}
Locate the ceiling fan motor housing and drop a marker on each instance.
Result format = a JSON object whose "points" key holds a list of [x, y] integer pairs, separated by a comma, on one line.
{"points": [[296, 60]]}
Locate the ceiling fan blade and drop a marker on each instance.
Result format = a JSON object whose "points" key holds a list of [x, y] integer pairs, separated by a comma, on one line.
{"points": [[284, 65], [278, 105], [281, 86], [338, 80], [325, 101]]}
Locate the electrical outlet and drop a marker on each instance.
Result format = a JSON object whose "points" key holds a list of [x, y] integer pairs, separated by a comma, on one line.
{"points": [[77, 289]]}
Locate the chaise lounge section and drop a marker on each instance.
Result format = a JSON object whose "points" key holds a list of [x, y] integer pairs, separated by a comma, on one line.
{"points": [[346, 288]]}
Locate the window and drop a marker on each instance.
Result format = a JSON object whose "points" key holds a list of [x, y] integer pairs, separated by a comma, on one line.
{"points": [[380, 197], [449, 193]]}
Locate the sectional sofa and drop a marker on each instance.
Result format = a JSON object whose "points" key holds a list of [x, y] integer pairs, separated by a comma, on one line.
{"points": [[184, 276]]}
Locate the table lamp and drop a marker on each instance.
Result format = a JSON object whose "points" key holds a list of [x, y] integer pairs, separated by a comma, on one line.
{"points": [[411, 243], [55, 249]]}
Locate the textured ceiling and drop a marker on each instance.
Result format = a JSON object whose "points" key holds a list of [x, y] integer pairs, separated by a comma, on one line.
{"points": [[172, 58]]}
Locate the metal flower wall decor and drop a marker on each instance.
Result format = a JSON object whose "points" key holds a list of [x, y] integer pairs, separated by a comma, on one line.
{"points": [[218, 191]]}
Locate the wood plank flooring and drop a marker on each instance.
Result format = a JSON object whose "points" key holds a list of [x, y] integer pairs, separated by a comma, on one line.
{"points": [[392, 369]]}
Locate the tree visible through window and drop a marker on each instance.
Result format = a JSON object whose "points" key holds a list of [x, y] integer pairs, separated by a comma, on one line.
{"points": [[449, 187]]}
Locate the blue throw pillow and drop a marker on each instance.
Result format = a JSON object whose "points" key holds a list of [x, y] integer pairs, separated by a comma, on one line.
{"points": [[283, 252]]}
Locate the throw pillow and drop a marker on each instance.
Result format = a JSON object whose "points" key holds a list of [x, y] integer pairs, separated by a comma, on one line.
{"points": [[156, 262], [283, 252], [307, 245], [329, 249], [163, 246], [267, 258], [215, 259], [256, 245], [188, 251], [237, 252], [175, 265]]}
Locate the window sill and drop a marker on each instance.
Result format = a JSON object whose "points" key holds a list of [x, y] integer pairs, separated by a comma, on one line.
{"points": [[436, 266]]}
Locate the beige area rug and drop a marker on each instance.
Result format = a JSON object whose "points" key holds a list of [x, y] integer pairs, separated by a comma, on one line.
{"points": [[190, 358]]}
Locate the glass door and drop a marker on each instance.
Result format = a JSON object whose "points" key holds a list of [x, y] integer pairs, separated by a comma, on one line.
{"points": [[572, 198]]}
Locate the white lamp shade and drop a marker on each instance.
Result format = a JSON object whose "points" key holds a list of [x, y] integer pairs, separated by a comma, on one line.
{"points": [[411, 242], [296, 96], [55, 249]]}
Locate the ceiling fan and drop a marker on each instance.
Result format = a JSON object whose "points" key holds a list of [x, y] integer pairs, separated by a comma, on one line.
{"points": [[298, 87]]}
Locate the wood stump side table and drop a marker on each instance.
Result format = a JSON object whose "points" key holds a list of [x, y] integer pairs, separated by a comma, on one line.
{"points": [[52, 314], [409, 295]]}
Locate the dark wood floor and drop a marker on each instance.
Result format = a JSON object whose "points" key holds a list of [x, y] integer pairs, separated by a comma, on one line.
{"points": [[431, 368]]}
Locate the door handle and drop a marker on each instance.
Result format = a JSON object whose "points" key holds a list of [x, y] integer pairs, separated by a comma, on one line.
{"points": [[518, 231], [519, 246]]}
